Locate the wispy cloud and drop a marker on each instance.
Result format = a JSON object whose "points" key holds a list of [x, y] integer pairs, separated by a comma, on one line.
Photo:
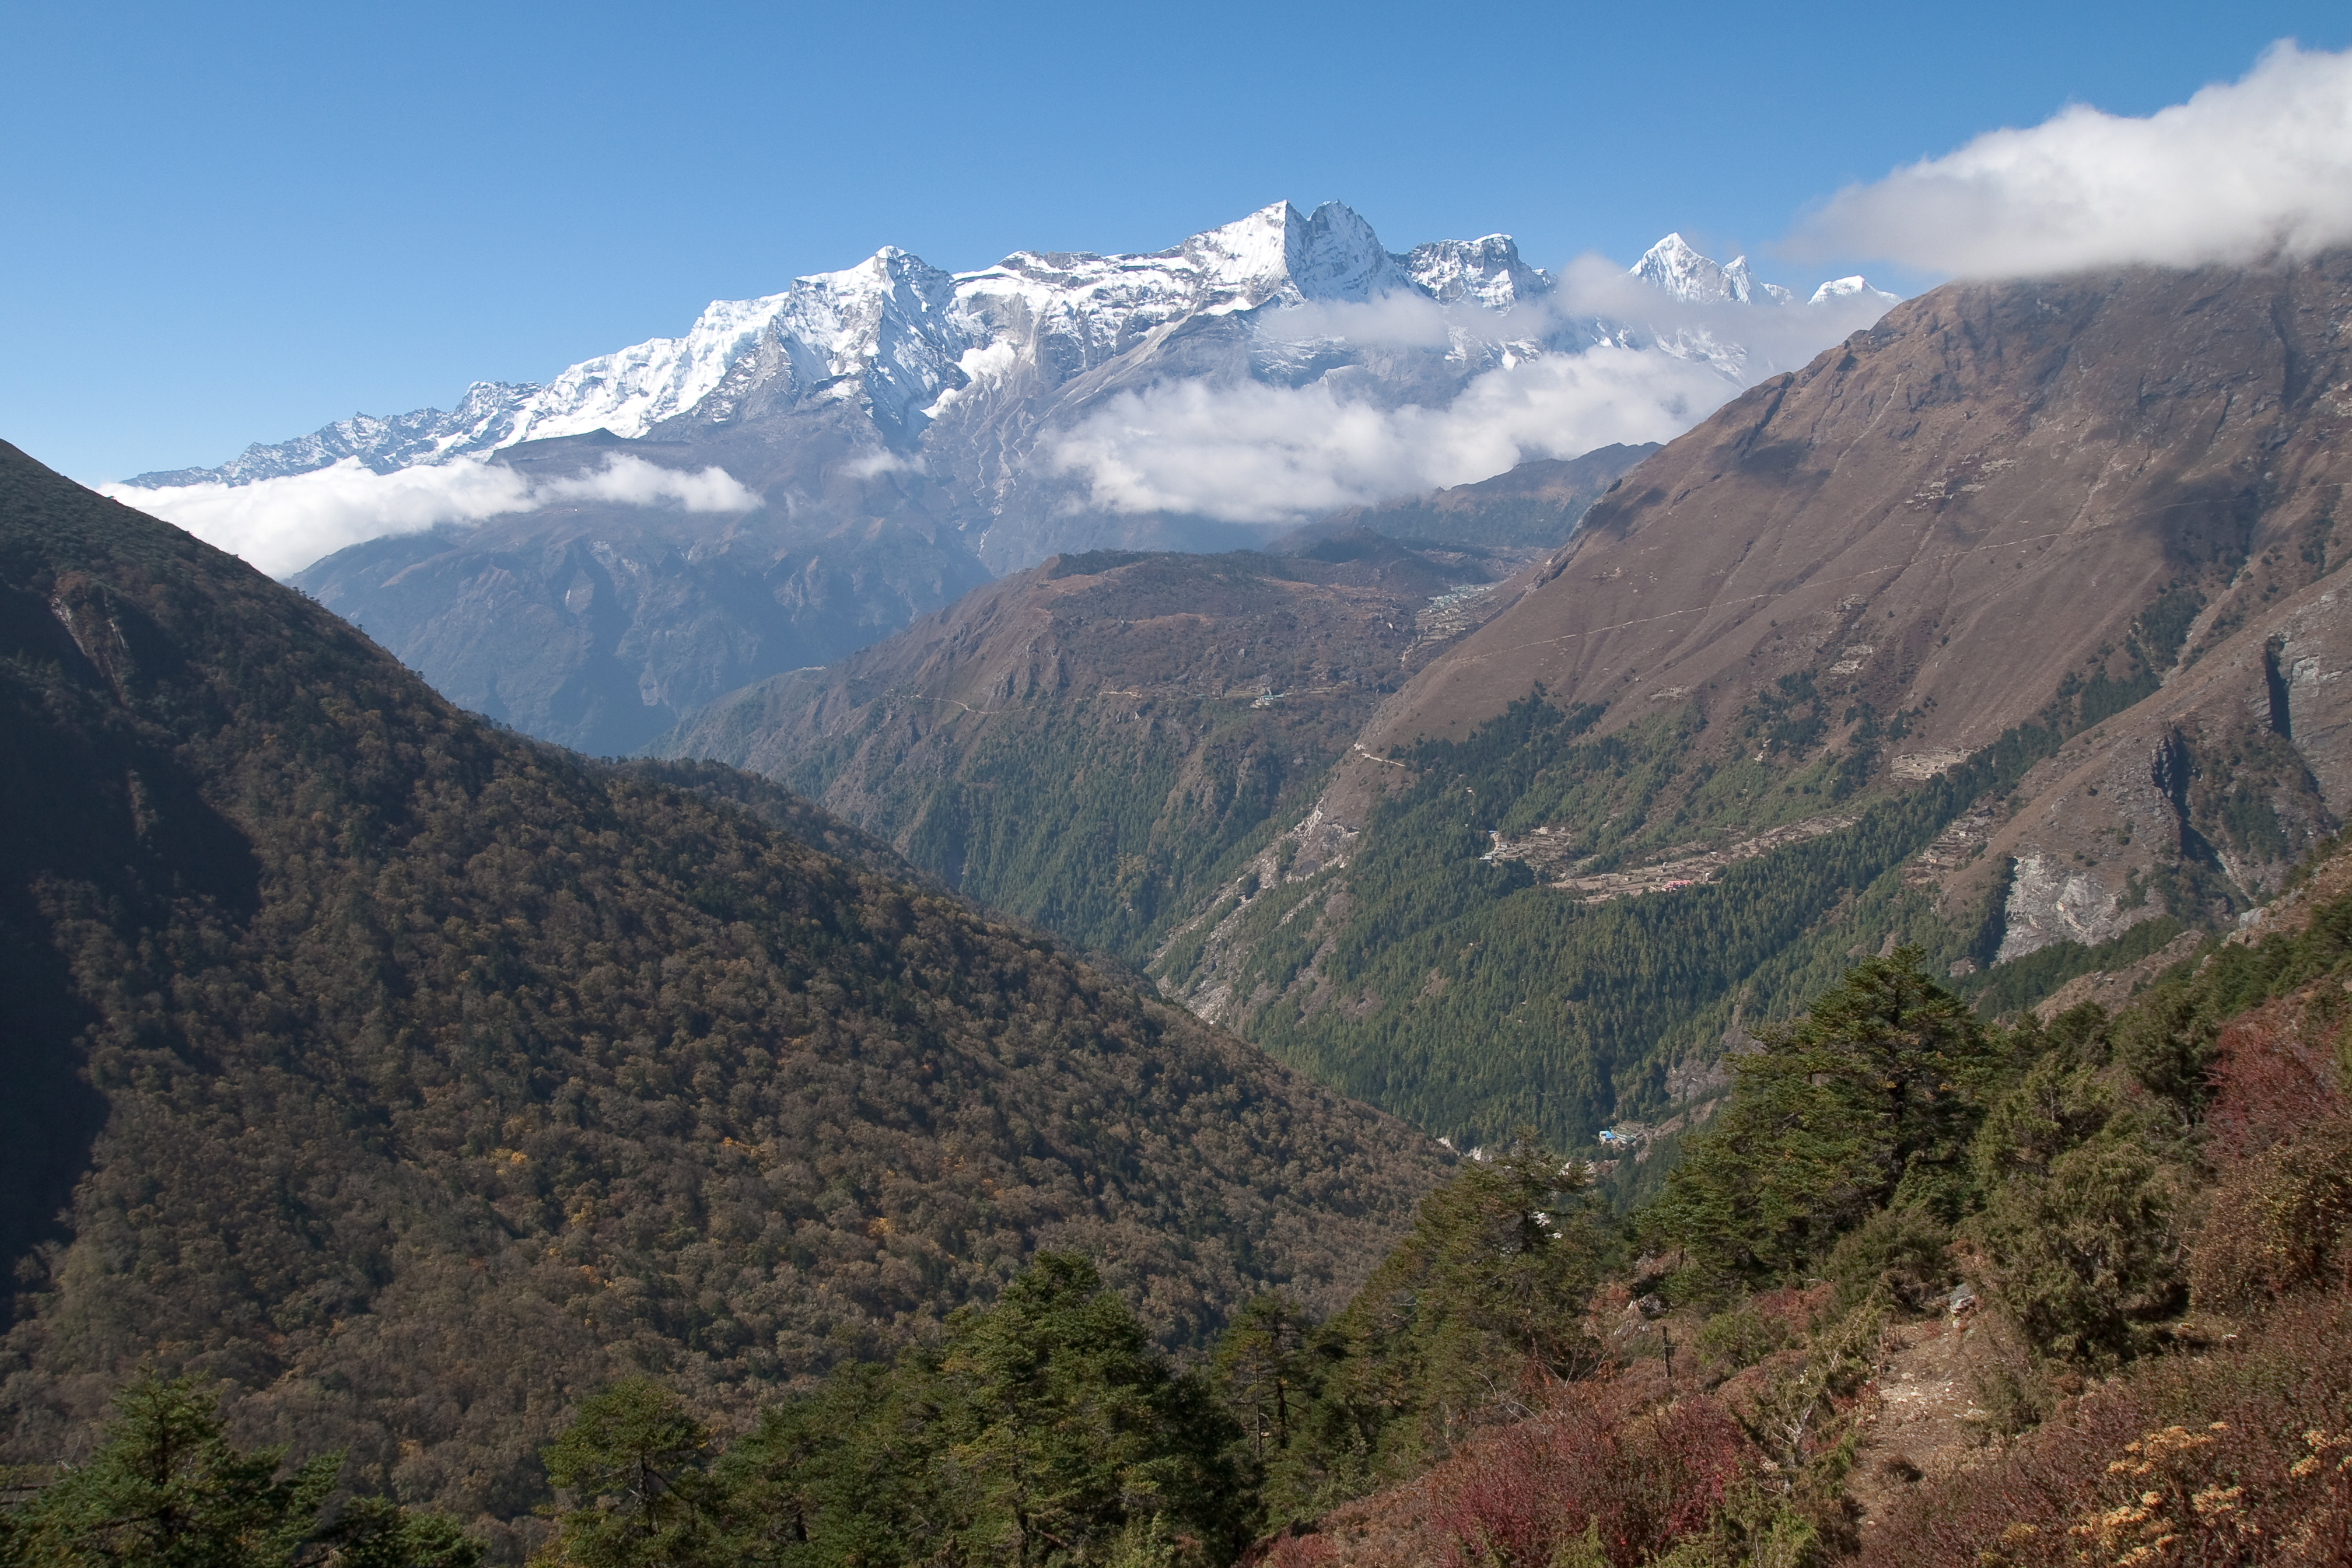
{"points": [[281, 525], [2241, 171]]}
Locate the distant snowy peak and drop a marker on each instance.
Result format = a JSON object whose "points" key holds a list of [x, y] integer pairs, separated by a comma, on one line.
{"points": [[1485, 271], [905, 344], [840, 333], [1674, 266], [904, 340], [484, 419], [1850, 289]]}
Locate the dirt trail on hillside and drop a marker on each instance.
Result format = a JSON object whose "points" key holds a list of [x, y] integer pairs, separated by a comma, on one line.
{"points": [[1550, 859], [1922, 1417]]}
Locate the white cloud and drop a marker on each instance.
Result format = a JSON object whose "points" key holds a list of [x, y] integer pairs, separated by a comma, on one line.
{"points": [[2241, 171], [1255, 453], [881, 460], [281, 525]]}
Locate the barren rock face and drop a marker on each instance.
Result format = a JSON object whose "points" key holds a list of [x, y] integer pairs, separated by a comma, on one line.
{"points": [[2237, 765]]}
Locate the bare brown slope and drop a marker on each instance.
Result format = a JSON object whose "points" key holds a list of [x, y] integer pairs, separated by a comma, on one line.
{"points": [[1337, 616], [1973, 499], [1537, 503]]}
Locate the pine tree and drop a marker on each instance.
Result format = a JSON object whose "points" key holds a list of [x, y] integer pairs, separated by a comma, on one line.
{"points": [[635, 1457], [167, 1490], [1868, 1099]]}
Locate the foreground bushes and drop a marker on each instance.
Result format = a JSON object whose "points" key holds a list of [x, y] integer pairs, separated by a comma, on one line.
{"points": [[2240, 1455]]}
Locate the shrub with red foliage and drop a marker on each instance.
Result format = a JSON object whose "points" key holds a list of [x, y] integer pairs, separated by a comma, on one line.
{"points": [[2279, 1132], [2275, 1071], [2241, 1456], [1644, 1478], [1293, 1549]]}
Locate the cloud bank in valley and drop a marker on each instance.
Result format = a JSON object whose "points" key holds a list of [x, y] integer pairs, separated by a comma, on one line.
{"points": [[2240, 172], [1254, 453], [281, 525]]}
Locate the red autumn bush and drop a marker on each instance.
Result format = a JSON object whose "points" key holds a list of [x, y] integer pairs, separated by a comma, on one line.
{"points": [[1591, 1461], [2275, 1073]]}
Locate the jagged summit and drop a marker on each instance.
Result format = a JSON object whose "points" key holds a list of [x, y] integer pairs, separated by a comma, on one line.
{"points": [[1676, 266], [913, 431], [906, 343]]}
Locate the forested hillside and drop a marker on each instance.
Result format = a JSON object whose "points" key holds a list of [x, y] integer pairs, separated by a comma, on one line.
{"points": [[1930, 1292], [416, 1078], [2008, 629], [1098, 741]]}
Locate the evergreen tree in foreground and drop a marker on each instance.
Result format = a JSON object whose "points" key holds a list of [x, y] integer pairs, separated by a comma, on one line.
{"points": [[168, 1491], [1869, 1100], [1040, 1430]]}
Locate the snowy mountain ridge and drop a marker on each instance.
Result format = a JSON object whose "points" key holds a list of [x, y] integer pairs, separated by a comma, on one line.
{"points": [[910, 345]]}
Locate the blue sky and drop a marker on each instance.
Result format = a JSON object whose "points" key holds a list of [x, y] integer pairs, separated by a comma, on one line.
{"points": [[238, 223]]}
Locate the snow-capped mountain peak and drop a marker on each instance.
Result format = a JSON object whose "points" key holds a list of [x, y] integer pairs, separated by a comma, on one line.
{"points": [[1676, 266], [1850, 288], [1485, 271], [908, 345]]}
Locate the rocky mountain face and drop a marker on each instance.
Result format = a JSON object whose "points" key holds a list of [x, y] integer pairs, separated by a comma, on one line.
{"points": [[416, 1079], [906, 432], [2016, 610], [599, 626], [1093, 743]]}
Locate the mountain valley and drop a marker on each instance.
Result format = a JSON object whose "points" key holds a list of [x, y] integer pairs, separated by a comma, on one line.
{"points": [[897, 435], [1773, 998], [1095, 741], [416, 1078], [2025, 593]]}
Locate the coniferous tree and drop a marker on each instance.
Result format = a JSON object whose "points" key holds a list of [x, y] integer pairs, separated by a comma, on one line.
{"points": [[1868, 1099], [635, 1457], [1260, 1369], [167, 1490]]}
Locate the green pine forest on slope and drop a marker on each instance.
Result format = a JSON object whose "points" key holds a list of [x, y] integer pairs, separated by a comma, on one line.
{"points": [[1585, 1015], [2153, 1209]]}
